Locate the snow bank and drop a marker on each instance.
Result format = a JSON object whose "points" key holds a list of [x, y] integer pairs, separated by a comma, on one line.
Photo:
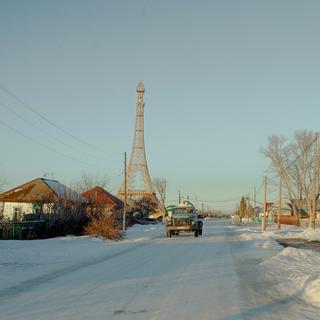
{"points": [[255, 235], [311, 292], [311, 234], [268, 244], [265, 240], [297, 272], [22, 260], [298, 232]]}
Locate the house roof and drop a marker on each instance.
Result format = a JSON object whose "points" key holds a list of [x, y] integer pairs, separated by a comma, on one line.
{"points": [[40, 189], [98, 194]]}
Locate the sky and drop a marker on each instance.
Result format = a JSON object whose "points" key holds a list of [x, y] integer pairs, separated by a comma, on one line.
{"points": [[220, 77]]}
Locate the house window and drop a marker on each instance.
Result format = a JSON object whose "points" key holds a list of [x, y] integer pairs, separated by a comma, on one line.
{"points": [[17, 213], [36, 208]]}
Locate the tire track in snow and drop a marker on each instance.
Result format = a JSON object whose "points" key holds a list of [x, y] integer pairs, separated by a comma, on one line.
{"points": [[28, 285], [173, 293]]}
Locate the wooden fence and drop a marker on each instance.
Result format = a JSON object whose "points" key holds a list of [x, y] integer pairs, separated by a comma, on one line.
{"points": [[23, 230], [290, 220]]}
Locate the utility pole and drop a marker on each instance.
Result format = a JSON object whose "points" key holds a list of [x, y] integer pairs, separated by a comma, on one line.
{"points": [[164, 201], [202, 208], [280, 200], [179, 196], [125, 193], [248, 207], [314, 209], [263, 224], [254, 198]]}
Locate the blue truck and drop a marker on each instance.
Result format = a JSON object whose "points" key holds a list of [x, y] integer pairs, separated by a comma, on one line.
{"points": [[183, 218]]}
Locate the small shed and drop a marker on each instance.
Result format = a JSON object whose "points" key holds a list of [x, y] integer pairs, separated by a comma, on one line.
{"points": [[106, 201]]}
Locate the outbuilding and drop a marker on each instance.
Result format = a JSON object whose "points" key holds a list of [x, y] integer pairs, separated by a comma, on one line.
{"points": [[106, 202]]}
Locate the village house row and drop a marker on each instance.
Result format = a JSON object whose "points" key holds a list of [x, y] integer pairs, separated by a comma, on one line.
{"points": [[40, 198]]}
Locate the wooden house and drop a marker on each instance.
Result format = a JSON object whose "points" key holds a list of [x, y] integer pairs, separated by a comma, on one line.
{"points": [[39, 196]]}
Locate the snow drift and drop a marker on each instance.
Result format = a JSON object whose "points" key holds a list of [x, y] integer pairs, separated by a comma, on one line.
{"points": [[297, 272]]}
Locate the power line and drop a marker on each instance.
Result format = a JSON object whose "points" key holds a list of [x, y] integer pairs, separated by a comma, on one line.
{"points": [[46, 132], [257, 192], [33, 110], [219, 201], [214, 201], [42, 144]]}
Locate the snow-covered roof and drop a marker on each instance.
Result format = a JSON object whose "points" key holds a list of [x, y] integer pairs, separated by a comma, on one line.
{"points": [[41, 189], [62, 191], [100, 195]]}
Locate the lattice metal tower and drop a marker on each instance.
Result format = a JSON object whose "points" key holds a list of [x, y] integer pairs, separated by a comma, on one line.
{"points": [[138, 179]]}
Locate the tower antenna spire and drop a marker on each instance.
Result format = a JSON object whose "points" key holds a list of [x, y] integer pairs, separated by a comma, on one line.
{"points": [[138, 178]]}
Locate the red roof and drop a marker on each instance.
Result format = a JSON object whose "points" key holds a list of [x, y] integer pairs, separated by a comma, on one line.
{"points": [[40, 189], [99, 195]]}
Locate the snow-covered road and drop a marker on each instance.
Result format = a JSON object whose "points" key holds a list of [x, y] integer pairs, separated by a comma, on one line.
{"points": [[217, 276]]}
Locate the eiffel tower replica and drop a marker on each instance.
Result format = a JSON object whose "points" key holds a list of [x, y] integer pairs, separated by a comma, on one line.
{"points": [[139, 183]]}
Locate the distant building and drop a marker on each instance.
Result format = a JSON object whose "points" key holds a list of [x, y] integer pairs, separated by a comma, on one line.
{"points": [[39, 196], [301, 206]]}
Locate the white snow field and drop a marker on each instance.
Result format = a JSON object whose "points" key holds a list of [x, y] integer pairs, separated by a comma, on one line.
{"points": [[230, 272]]}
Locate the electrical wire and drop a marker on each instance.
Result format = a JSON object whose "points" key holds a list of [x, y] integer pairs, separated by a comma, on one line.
{"points": [[33, 110], [46, 132], [218, 201], [257, 192], [43, 145], [213, 201]]}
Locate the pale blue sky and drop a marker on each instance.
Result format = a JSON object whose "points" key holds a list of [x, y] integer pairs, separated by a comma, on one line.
{"points": [[220, 77]]}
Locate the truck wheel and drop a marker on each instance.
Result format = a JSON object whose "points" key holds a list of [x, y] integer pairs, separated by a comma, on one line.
{"points": [[196, 233]]}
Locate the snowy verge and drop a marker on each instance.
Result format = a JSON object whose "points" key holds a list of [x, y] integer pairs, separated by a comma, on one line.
{"points": [[253, 232], [22, 260], [297, 272], [310, 234]]}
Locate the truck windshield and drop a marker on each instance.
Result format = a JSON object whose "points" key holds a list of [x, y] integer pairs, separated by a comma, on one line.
{"points": [[186, 211]]}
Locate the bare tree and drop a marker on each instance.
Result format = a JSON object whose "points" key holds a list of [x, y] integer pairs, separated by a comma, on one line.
{"points": [[293, 161], [242, 209], [102, 222], [160, 185], [284, 159], [146, 205], [87, 182]]}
